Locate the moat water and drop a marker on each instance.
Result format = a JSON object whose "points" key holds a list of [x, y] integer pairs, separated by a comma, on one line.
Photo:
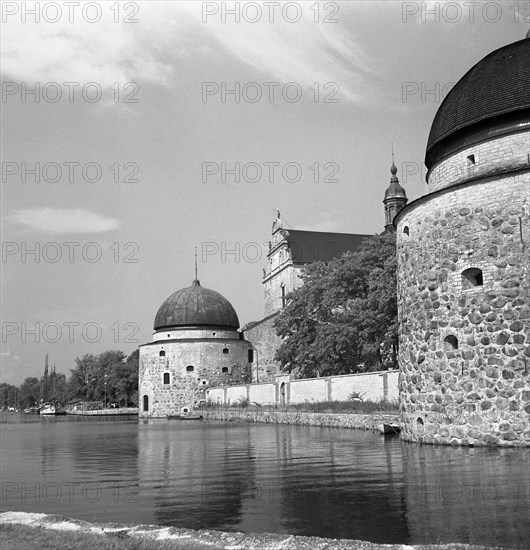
{"points": [[324, 482]]}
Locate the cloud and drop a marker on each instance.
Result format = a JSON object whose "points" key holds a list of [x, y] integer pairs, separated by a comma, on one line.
{"points": [[304, 52], [170, 34], [52, 220]]}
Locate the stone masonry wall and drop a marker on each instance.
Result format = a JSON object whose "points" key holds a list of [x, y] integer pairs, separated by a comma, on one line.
{"points": [[465, 350], [489, 157], [265, 342], [186, 388], [289, 276]]}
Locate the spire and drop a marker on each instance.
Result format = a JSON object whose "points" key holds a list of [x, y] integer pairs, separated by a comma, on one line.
{"points": [[196, 280], [395, 197]]}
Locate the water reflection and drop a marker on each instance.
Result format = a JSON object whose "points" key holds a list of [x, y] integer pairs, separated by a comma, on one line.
{"points": [[471, 495], [199, 477], [267, 478]]}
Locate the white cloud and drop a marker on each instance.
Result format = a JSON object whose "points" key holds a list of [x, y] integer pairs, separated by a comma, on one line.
{"points": [[52, 220], [169, 33]]}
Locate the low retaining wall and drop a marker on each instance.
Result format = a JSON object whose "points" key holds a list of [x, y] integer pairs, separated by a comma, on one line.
{"points": [[353, 421], [106, 412]]}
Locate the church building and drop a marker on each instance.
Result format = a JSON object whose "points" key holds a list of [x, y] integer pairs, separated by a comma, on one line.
{"points": [[197, 342]]}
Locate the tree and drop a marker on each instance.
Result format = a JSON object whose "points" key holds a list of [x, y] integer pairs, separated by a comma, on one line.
{"points": [[123, 381], [29, 392], [8, 395], [107, 375], [343, 319]]}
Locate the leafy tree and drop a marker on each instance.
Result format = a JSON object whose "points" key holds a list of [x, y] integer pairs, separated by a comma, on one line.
{"points": [[82, 377], [343, 319], [123, 381], [29, 392], [108, 371], [8, 395]]}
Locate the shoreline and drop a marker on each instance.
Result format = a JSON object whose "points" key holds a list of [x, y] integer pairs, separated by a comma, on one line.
{"points": [[216, 540], [355, 421]]}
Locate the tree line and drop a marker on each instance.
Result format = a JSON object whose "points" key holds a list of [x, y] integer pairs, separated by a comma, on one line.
{"points": [[110, 376]]}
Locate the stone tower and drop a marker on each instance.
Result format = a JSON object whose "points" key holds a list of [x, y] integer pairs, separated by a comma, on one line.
{"points": [[395, 198], [195, 344], [463, 265]]}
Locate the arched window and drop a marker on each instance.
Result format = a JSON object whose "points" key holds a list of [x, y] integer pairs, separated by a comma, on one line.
{"points": [[190, 368], [472, 277], [283, 295], [450, 343], [162, 353], [166, 378], [226, 350], [406, 230], [224, 369], [146, 403]]}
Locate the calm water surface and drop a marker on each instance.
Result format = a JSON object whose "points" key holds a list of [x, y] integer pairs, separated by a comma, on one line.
{"points": [[265, 478]]}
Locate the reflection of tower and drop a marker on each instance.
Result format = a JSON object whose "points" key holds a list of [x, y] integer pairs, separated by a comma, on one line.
{"points": [[202, 474], [395, 198], [357, 491], [474, 493]]}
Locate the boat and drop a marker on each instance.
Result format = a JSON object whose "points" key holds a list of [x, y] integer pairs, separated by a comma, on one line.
{"points": [[389, 429], [185, 416], [51, 409]]}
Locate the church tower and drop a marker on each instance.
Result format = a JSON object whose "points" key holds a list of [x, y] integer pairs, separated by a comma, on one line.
{"points": [[395, 198]]}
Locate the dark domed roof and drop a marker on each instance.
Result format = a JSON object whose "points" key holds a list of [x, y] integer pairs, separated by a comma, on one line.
{"points": [[196, 305], [497, 85], [394, 190]]}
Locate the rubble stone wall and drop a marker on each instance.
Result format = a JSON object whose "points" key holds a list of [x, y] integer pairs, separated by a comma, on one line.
{"points": [[465, 341]]}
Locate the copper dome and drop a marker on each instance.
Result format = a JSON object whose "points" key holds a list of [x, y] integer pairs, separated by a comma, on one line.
{"points": [[196, 306], [494, 91]]}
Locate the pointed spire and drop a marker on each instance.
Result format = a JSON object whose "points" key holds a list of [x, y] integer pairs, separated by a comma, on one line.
{"points": [[196, 280], [393, 169], [46, 364]]}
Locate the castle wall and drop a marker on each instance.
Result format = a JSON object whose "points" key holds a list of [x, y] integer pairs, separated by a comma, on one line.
{"points": [[489, 157], [265, 342], [477, 393], [186, 388], [371, 386]]}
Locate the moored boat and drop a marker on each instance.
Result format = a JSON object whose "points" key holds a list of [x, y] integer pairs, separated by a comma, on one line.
{"points": [[389, 429], [185, 416], [51, 409]]}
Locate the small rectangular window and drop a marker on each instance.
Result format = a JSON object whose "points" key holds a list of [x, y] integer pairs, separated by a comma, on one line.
{"points": [[250, 355]]}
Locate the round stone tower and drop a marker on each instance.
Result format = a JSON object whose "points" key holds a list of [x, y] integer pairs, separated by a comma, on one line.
{"points": [[196, 344], [463, 265]]}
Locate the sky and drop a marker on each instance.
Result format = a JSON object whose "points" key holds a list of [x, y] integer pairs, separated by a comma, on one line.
{"points": [[133, 132]]}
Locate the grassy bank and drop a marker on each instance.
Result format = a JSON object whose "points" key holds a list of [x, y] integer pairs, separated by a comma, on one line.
{"points": [[63, 534], [22, 537], [337, 407]]}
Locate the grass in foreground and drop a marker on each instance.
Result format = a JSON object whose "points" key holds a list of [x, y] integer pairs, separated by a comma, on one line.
{"points": [[23, 537], [338, 407], [347, 407]]}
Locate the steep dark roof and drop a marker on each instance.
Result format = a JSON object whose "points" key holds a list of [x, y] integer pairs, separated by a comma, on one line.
{"points": [[312, 246], [196, 306], [497, 85]]}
